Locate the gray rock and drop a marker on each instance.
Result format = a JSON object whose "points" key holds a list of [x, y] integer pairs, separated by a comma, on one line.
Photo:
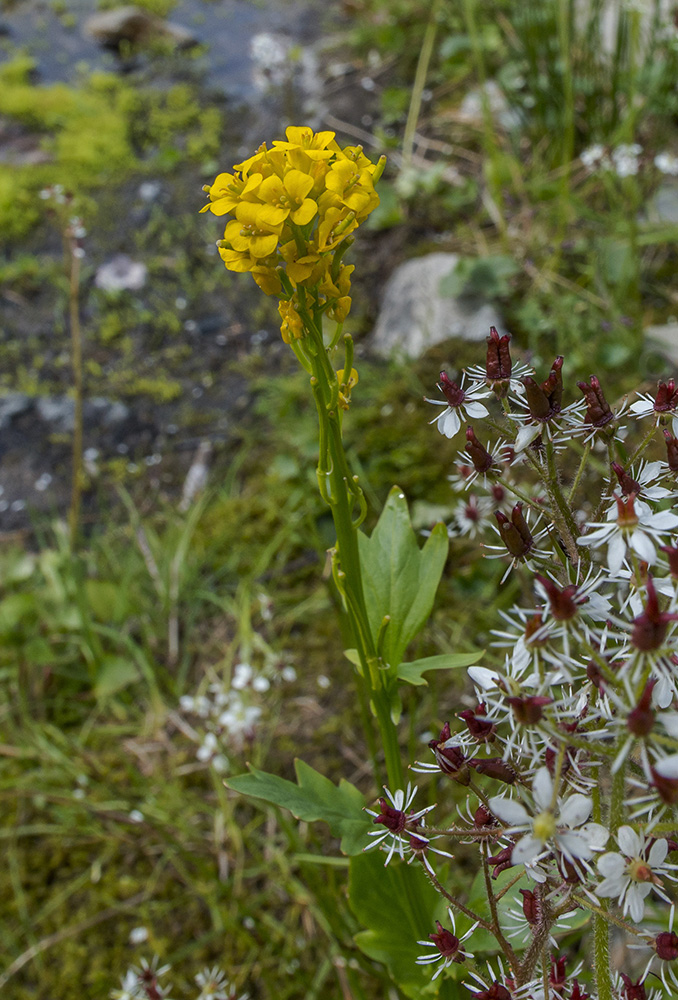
{"points": [[107, 412], [121, 274], [12, 406], [59, 413], [414, 315], [136, 27], [664, 338]]}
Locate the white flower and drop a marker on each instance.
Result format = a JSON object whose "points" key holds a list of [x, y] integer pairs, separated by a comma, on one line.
{"points": [[667, 163], [639, 532], [446, 945], [631, 875], [460, 404], [594, 156], [399, 825], [138, 935], [625, 159], [242, 675], [555, 823], [214, 986]]}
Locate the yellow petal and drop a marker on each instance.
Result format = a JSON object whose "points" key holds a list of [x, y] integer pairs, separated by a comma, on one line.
{"points": [[262, 245], [305, 213], [297, 185], [235, 261], [271, 217]]}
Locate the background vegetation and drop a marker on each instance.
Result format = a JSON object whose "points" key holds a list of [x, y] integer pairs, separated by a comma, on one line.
{"points": [[111, 821]]}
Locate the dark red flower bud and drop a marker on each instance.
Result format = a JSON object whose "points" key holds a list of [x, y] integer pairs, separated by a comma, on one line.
{"points": [[562, 603], [453, 394], [544, 401], [551, 758], [447, 944], [568, 871], [450, 759], [495, 767], [672, 556], [631, 990], [498, 493], [627, 483], [498, 365], [666, 946], [495, 992], [393, 819], [480, 728], [481, 458], [531, 906], [650, 628], [578, 993], [667, 787], [483, 817], [558, 976], [500, 862], [671, 844], [626, 512], [667, 396], [640, 719], [515, 533], [671, 451], [528, 711], [598, 412]]}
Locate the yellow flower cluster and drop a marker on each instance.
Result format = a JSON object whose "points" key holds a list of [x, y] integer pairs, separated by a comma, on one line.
{"points": [[294, 207]]}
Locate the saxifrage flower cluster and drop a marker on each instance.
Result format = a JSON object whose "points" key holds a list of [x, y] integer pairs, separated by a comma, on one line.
{"points": [[568, 747]]}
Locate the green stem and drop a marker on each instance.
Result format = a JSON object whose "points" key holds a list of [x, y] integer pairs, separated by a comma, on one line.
{"points": [[76, 360], [419, 84]]}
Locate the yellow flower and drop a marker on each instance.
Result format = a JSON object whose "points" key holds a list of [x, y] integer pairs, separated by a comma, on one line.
{"points": [[345, 386], [291, 327], [287, 197], [314, 145], [251, 232]]}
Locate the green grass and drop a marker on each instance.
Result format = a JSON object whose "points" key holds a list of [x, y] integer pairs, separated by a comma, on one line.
{"points": [[97, 649]]}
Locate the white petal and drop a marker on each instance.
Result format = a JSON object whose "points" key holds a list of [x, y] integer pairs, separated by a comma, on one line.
{"points": [[663, 520], [527, 849], [616, 551], [484, 677], [449, 423], [658, 853], [612, 887], [576, 810], [668, 767], [634, 903], [629, 841], [526, 435], [641, 407], [475, 410], [612, 865], [509, 811], [642, 545], [542, 788], [669, 720], [596, 834], [574, 845]]}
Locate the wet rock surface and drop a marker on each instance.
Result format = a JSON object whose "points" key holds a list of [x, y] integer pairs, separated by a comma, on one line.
{"points": [[136, 27]]}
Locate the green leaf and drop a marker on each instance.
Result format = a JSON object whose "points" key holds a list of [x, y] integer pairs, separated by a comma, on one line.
{"points": [[313, 798], [412, 672], [115, 673], [107, 601], [399, 907], [400, 580]]}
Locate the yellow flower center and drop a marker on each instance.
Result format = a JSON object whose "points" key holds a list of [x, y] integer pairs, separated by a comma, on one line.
{"points": [[544, 826]]}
